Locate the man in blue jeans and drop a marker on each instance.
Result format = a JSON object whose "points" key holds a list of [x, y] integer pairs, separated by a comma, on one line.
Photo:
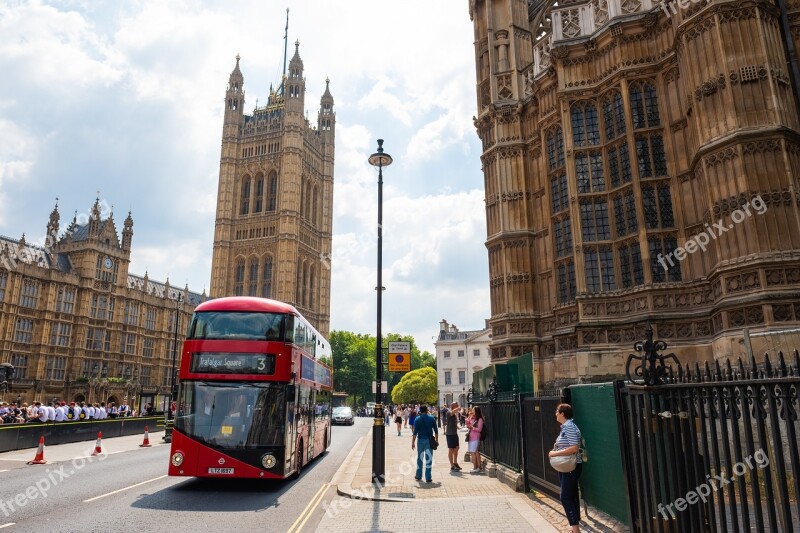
{"points": [[424, 430]]}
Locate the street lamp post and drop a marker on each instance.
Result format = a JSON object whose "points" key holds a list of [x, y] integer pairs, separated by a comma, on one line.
{"points": [[172, 392], [379, 159]]}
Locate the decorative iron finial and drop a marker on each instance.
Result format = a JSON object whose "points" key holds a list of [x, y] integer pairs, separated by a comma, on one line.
{"points": [[651, 368]]}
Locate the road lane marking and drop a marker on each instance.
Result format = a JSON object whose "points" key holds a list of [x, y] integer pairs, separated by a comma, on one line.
{"points": [[6, 470], [295, 528], [7, 525], [124, 489]]}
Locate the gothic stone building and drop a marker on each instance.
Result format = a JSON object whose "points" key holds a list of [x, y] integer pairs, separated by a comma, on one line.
{"points": [[275, 199], [77, 325], [640, 165]]}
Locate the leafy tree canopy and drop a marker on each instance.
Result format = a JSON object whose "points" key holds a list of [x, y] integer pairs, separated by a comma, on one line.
{"points": [[417, 386]]}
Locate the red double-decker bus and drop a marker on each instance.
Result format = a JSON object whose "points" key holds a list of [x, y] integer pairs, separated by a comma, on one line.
{"points": [[254, 400]]}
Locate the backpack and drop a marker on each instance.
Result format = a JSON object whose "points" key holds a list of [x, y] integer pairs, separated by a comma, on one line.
{"points": [[483, 431]]}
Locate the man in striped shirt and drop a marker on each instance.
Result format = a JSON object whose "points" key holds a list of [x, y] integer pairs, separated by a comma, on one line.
{"points": [[568, 443]]}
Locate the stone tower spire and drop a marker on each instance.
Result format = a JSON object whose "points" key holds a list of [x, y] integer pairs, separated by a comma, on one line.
{"points": [[234, 99], [94, 219], [127, 233], [53, 225], [295, 83], [326, 120]]}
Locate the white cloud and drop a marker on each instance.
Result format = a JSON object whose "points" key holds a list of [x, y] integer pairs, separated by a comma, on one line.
{"points": [[128, 97]]}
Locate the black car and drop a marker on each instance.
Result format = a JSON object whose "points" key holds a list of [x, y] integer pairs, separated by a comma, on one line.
{"points": [[343, 415]]}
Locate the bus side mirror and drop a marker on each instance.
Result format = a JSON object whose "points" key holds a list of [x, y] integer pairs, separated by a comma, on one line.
{"points": [[290, 392]]}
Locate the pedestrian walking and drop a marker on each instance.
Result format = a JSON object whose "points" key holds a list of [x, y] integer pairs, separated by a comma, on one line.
{"points": [[474, 427], [424, 431], [451, 435], [568, 443], [412, 416], [406, 412], [398, 419]]}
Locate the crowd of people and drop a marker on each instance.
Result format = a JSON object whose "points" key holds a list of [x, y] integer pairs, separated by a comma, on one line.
{"points": [[60, 411]]}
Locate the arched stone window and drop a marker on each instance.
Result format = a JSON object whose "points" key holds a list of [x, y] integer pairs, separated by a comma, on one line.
{"points": [[259, 194], [252, 279], [311, 287], [245, 209], [266, 278], [239, 278], [314, 205], [272, 191], [585, 124]]}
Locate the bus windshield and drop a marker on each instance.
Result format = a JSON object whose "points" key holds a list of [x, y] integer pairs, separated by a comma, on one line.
{"points": [[237, 325], [232, 415]]}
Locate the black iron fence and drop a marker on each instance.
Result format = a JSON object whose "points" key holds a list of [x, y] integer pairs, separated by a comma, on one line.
{"points": [[541, 431], [501, 416], [521, 430], [713, 449]]}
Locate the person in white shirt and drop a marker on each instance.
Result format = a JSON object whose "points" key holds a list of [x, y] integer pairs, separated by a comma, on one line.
{"points": [[41, 412], [73, 412], [51, 412], [61, 413], [100, 412], [90, 412]]}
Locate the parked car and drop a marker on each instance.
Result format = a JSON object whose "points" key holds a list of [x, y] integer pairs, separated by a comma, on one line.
{"points": [[343, 415]]}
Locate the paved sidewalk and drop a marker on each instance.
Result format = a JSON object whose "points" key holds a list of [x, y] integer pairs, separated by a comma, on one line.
{"points": [[455, 501]]}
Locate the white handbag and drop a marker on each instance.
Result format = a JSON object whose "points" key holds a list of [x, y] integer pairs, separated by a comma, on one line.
{"points": [[564, 463]]}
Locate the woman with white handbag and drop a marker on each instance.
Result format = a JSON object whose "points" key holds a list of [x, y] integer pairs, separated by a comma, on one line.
{"points": [[566, 458]]}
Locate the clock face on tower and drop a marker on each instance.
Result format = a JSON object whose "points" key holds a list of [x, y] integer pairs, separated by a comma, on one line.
{"points": [[107, 263]]}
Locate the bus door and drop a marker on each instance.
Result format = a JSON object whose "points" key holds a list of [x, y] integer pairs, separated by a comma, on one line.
{"points": [[292, 421]]}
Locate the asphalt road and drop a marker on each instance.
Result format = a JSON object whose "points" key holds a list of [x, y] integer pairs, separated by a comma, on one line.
{"points": [[128, 490]]}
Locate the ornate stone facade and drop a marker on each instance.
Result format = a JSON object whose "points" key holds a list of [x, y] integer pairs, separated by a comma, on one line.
{"points": [[641, 165], [78, 326], [272, 235]]}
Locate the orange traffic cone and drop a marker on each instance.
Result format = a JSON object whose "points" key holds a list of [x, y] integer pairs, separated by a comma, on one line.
{"points": [[39, 459], [97, 449], [146, 442]]}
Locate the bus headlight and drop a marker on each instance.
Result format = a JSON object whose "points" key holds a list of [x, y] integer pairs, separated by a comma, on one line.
{"points": [[268, 461], [177, 459]]}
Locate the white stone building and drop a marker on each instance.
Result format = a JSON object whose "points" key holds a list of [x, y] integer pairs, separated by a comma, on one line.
{"points": [[458, 355]]}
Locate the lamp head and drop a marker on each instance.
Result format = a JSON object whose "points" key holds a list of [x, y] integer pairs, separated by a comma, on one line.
{"points": [[380, 158]]}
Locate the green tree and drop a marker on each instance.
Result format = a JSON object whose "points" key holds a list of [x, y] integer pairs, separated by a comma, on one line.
{"points": [[353, 364], [417, 386]]}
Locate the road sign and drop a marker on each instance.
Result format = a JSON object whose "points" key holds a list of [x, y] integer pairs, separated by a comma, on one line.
{"points": [[399, 347], [399, 362]]}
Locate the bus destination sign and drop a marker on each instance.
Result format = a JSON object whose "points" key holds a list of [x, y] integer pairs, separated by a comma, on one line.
{"points": [[233, 363]]}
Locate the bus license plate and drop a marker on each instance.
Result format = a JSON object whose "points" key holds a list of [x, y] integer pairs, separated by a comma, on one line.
{"points": [[220, 470]]}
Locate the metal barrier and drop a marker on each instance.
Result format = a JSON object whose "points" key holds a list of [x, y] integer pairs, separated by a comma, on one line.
{"points": [[23, 436]]}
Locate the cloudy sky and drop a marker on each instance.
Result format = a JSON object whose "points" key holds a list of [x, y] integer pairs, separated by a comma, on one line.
{"points": [[126, 98]]}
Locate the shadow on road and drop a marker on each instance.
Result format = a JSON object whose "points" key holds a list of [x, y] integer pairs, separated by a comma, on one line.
{"points": [[221, 495]]}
